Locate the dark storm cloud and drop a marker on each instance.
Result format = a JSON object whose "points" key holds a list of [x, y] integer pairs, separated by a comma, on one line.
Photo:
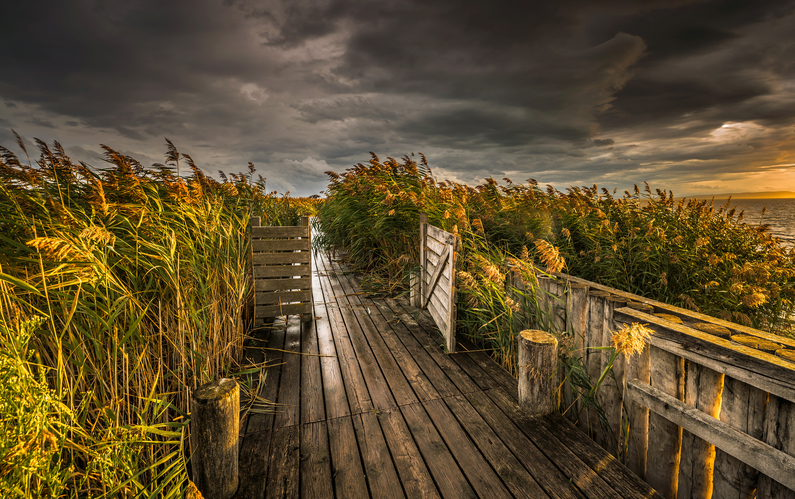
{"points": [[579, 92]]}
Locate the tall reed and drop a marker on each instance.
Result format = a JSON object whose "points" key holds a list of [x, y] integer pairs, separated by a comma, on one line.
{"points": [[122, 289]]}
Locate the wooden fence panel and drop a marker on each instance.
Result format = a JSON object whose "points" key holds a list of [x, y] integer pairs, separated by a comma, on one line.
{"points": [[281, 266], [435, 288]]}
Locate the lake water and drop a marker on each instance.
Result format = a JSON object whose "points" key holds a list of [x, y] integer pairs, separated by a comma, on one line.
{"points": [[780, 215]]}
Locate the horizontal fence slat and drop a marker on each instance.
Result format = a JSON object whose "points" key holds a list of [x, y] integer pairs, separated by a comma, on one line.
{"points": [[714, 347], [432, 263], [261, 271], [282, 284], [768, 460], [439, 318], [276, 310], [270, 298], [434, 246], [259, 245], [282, 258], [275, 232], [440, 235]]}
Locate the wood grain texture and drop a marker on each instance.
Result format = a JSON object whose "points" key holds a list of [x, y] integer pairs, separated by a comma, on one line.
{"points": [[279, 232], [665, 437], [315, 468], [378, 466], [411, 468], [283, 472], [269, 245], [349, 479], [277, 284]]}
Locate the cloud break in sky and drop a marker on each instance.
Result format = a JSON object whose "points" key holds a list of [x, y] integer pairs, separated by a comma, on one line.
{"points": [[694, 96]]}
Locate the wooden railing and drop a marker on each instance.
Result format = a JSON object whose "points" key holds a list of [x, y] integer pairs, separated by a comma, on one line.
{"points": [[282, 268], [435, 288], [708, 409]]}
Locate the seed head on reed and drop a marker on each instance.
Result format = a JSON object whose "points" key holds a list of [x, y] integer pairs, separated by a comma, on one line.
{"points": [[550, 256], [631, 339], [754, 300]]}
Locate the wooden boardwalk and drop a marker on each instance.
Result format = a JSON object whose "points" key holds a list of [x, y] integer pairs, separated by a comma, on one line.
{"points": [[375, 408]]}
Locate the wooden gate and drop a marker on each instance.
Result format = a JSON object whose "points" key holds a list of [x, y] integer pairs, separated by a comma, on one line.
{"points": [[282, 265], [435, 290]]}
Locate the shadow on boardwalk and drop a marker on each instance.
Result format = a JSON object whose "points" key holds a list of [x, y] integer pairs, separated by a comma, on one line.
{"points": [[375, 408]]}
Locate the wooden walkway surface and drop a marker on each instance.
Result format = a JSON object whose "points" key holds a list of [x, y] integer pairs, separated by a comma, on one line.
{"points": [[375, 408]]}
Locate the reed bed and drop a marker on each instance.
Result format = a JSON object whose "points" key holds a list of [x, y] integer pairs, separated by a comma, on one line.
{"points": [[122, 289], [686, 253]]}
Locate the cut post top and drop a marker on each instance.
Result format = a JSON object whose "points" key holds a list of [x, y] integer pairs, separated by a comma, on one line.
{"points": [[214, 390], [538, 336]]}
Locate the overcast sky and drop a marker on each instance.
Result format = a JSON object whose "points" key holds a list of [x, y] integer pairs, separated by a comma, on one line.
{"points": [[693, 96]]}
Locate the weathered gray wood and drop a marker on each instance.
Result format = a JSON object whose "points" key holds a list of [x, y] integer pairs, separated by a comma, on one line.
{"points": [[665, 437], [282, 271], [284, 469], [577, 315], [770, 461], [440, 235], [255, 221], [279, 310], [215, 421], [423, 259], [703, 388], [315, 465], [538, 361], [276, 232], [283, 258], [283, 284], [414, 289], [443, 262], [589, 421], [611, 395], [349, 479], [271, 245], [720, 349], [452, 312], [779, 434], [637, 368], [742, 408], [411, 468], [270, 298], [378, 466]]}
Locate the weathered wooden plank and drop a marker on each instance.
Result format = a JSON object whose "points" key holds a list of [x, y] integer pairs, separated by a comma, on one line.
{"points": [[742, 408], [440, 235], [279, 232], [764, 383], [287, 414], [665, 437], [419, 382], [589, 421], [446, 473], [437, 272], [444, 278], [441, 383], [259, 421], [392, 372], [483, 479], [285, 258], [411, 468], [378, 466], [435, 247], [615, 474], [279, 310], [581, 475], [346, 463], [253, 465], [423, 259], [439, 317], [514, 476], [312, 393], [428, 339], [268, 245], [355, 387], [276, 284], [336, 401], [377, 384], [316, 480], [714, 347], [779, 435], [770, 461], [261, 272], [284, 297], [638, 367], [464, 359], [551, 479], [611, 395], [703, 388], [284, 465]]}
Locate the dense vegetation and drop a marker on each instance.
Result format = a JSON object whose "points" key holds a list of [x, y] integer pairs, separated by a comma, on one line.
{"points": [[120, 290], [686, 253]]}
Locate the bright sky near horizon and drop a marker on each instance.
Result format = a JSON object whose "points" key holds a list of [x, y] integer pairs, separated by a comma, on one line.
{"points": [[696, 96]]}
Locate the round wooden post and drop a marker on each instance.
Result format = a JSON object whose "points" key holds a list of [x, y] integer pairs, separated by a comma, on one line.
{"points": [[215, 410], [538, 360]]}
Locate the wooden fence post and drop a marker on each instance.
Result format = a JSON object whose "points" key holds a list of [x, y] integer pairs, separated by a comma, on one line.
{"points": [[589, 423], [611, 394], [665, 437], [307, 317], [252, 305], [538, 361], [215, 421], [743, 408], [423, 242]]}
